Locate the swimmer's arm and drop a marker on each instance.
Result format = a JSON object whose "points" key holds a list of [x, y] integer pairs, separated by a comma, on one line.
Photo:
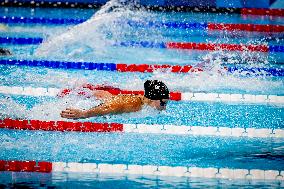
{"points": [[103, 109]]}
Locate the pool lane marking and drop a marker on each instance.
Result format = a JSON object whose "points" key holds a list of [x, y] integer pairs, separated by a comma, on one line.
{"points": [[26, 166], [167, 45], [265, 12], [55, 92], [136, 169], [181, 25], [178, 171], [59, 4], [143, 68], [69, 126], [177, 96]]}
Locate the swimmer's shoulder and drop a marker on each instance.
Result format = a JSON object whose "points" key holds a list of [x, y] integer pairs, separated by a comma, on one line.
{"points": [[131, 98]]}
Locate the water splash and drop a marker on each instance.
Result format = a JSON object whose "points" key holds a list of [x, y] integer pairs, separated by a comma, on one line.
{"points": [[10, 108], [50, 110], [93, 37]]}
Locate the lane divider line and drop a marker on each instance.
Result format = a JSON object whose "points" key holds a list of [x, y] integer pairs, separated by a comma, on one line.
{"points": [[266, 12], [245, 27], [233, 98], [178, 171], [203, 46], [209, 26], [214, 47], [60, 126], [21, 40], [177, 96], [59, 4], [143, 68], [68, 126], [164, 7], [26, 166], [168, 45], [160, 24], [204, 131], [135, 169], [55, 92], [39, 20]]}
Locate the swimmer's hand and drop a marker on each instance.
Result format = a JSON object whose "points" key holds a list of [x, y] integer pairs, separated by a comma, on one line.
{"points": [[70, 113]]}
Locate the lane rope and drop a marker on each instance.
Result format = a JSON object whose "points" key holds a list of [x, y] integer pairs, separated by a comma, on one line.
{"points": [[55, 92], [179, 25], [167, 45], [177, 96], [265, 12], [68, 126], [60, 126], [143, 68], [165, 7], [26, 166], [134, 169]]}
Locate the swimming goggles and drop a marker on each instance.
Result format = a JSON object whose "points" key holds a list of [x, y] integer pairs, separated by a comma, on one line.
{"points": [[163, 103]]}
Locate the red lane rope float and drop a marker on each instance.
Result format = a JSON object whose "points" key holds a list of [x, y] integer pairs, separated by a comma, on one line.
{"points": [[212, 46], [246, 27], [152, 68], [26, 166], [269, 12], [60, 126], [113, 90]]}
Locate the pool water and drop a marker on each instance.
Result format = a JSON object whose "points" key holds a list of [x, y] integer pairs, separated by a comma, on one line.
{"points": [[97, 40]]}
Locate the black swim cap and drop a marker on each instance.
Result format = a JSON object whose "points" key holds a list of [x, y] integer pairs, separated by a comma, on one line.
{"points": [[4, 52], [156, 90]]}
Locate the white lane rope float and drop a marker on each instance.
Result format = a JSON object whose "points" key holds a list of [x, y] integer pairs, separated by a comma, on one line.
{"points": [[145, 170], [186, 96]]}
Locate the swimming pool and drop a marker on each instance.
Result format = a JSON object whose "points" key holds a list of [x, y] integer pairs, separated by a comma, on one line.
{"points": [[224, 126]]}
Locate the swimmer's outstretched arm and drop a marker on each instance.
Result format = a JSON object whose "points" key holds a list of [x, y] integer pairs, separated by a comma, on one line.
{"points": [[103, 109]]}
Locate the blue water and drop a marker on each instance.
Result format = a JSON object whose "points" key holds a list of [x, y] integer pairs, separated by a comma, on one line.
{"points": [[170, 150], [202, 82], [94, 44]]}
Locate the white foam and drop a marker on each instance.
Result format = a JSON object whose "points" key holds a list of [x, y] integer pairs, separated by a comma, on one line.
{"points": [[51, 110], [10, 108], [93, 36]]}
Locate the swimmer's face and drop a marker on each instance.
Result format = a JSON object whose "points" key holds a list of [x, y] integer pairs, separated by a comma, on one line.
{"points": [[159, 104]]}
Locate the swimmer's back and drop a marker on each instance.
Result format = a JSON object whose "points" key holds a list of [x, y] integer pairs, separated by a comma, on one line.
{"points": [[126, 103]]}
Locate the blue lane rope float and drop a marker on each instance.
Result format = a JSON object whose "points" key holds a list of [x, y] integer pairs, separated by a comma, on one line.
{"points": [[149, 44], [40, 20], [134, 67], [144, 44], [177, 25], [60, 64], [276, 48], [20, 40], [60, 21]]}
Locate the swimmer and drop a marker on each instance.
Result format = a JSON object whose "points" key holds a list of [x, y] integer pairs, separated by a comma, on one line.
{"points": [[4, 52], [156, 95]]}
